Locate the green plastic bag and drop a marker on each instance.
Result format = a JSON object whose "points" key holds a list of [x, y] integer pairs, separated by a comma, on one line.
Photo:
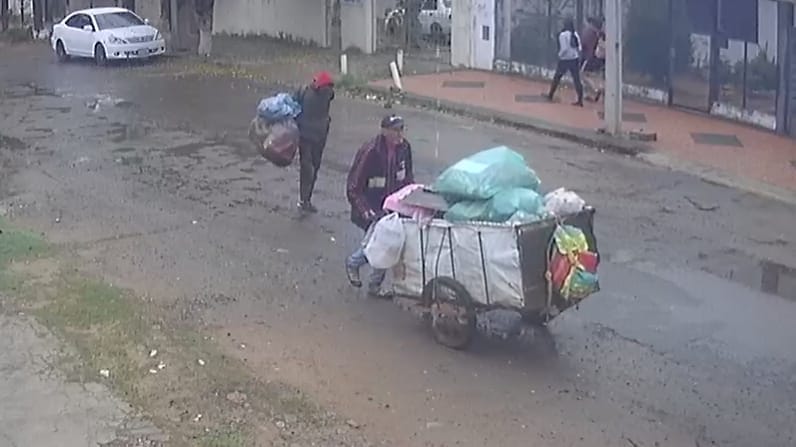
{"points": [[569, 239], [481, 176], [468, 211], [499, 208], [511, 201]]}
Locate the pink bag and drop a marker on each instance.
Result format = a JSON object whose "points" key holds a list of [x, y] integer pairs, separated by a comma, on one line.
{"points": [[394, 203], [281, 143]]}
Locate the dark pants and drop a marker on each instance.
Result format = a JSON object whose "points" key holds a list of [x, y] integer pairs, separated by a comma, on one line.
{"points": [[310, 155], [573, 67]]}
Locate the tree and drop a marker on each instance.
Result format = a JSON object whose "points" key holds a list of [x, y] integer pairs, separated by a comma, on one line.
{"points": [[204, 18]]}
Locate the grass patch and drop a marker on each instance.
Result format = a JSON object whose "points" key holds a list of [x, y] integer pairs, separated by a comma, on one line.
{"points": [[16, 35], [179, 378], [85, 305], [19, 245], [350, 81], [228, 439], [110, 332]]}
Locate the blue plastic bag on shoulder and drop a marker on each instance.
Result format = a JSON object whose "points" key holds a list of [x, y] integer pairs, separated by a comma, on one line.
{"points": [[279, 107], [482, 175]]}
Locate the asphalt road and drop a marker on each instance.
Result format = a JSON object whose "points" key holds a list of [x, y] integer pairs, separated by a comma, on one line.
{"points": [[146, 172]]}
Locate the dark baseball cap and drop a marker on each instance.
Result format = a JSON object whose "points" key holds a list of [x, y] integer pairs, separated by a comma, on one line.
{"points": [[394, 122]]}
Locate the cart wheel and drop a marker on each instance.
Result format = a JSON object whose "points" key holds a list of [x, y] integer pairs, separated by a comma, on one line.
{"points": [[452, 314]]}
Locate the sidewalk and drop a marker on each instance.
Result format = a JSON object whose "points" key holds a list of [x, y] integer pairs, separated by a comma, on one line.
{"points": [[728, 148], [41, 407]]}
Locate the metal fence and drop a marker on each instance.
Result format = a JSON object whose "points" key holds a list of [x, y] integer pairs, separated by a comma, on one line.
{"points": [[413, 24]]}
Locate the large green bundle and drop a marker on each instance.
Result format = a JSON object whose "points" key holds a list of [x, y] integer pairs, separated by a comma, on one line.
{"points": [[499, 208], [481, 176]]}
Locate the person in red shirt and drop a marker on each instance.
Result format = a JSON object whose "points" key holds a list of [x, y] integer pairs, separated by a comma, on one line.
{"points": [[381, 167], [593, 57]]}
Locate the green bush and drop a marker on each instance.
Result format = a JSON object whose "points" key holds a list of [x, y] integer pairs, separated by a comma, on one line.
{"points": [[762, 74]]}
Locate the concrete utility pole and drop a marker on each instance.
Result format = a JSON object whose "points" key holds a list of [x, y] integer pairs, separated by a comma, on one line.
{"points": [[174, 22], [4, 14], [613, 66]]}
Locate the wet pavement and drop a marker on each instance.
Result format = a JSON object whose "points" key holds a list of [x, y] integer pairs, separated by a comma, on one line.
{"points": [[146, 173], [719, 146]]}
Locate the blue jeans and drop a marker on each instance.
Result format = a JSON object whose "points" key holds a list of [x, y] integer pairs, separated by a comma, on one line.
{"points": [[357, 260]]}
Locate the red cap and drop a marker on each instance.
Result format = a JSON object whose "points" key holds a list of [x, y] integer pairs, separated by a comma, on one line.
{"points": [[322, 79]]}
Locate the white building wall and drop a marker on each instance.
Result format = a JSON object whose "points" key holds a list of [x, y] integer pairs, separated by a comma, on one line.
{"points": [[358, 24], [301, 20], [461, 33]]}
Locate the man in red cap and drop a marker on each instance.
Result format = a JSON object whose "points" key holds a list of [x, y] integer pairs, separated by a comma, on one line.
{"points": [[313, 124]]}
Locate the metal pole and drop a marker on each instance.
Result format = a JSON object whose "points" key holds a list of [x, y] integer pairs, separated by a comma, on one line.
{"points": [[549, 35], [4, 14], [174, 25], [613, 66], [745, 72]]}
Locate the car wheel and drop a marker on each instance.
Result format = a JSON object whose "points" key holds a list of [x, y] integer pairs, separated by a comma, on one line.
{"points": [[60, 52], [99, 56]]}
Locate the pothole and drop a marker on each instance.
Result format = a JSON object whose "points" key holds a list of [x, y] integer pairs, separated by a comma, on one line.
{"points": [[12, 143]]}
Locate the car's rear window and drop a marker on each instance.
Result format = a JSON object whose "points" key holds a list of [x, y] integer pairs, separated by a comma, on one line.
{"points": [[117, 20]]}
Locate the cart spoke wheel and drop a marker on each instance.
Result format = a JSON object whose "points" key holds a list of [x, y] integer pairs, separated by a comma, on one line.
{"points": [[452, 315]]}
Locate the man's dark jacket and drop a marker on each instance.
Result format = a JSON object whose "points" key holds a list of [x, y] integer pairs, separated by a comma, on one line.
{"points": [[374, 175], [313, 122]]}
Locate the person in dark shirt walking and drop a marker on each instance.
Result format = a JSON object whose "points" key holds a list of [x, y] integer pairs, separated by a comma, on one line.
{"points": [[569, 49], [313, 124], [381, 167]]}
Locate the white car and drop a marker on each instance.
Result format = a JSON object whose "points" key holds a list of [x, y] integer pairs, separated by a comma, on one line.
{"points": [[106, 34]]}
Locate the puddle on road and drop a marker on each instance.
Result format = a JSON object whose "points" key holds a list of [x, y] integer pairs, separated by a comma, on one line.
{"points": [[189, 149], [39, 130], [767, 276], [130, 160], [27, 91], [120, 133], [13, 143], [63, 110], [778, 279]]}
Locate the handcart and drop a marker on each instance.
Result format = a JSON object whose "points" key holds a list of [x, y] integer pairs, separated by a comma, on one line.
{"points": [[451, 272]]}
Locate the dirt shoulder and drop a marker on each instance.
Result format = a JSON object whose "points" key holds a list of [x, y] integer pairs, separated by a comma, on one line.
{"points": [[173, 385]]}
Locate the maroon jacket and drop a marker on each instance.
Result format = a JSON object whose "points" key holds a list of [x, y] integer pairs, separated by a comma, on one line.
{"points": [[374, 175], [588, 40]]}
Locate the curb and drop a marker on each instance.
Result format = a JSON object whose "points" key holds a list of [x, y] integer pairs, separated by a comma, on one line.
{"points": [[621, 146], [593, 139]]}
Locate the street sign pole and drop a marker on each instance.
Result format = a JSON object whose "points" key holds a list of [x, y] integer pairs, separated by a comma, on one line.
{"points": [[613, 66]]}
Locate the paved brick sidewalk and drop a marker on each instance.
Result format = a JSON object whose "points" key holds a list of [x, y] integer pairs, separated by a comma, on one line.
{"points": [[730, 148]]}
